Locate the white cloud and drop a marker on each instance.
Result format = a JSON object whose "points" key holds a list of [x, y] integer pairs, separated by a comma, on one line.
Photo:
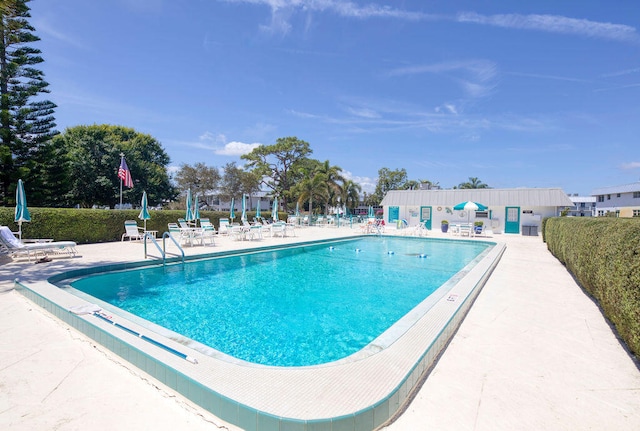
{"points": [[236, 149], [631, 165], [283, 10], [363, 112], [367, 184], [476, 77], [448, 107], [555, 24]]}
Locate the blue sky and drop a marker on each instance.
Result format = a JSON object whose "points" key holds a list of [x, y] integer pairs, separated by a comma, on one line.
{"points": [[517, 94]]}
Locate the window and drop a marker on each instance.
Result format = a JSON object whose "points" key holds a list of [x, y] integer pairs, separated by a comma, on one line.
{"points": [[608, 197], [636, 195], [618, 195], [636, 213], [601, 198], [482, 214]]}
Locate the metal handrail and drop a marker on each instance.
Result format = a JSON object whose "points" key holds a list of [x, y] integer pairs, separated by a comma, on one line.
{"points": [[163, 250], [153, 240], [164, 236]]}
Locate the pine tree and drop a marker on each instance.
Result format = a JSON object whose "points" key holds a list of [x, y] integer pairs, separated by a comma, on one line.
{"points": [[26, 121]]}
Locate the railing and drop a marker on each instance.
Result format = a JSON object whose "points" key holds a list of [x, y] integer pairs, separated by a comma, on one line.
{"points": [[163, 250]]}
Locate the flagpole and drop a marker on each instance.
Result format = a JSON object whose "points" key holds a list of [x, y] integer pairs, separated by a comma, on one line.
{"points": [[121, 158]]}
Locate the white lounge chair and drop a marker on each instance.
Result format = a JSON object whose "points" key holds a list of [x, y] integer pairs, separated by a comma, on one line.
{"points": [[132, 230], [13, 246]]}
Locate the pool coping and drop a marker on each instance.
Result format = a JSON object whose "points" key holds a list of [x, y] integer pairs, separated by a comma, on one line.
{"points": [[359, 395]]}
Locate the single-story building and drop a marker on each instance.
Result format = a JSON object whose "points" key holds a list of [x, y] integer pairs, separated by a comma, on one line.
{"points": [[508, 210]]}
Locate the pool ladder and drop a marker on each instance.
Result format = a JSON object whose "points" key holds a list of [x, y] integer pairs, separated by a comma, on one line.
{"points": [[163, 250]]}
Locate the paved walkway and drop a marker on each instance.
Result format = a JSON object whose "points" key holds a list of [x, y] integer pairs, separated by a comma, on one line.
{"points": [[534, 353]]}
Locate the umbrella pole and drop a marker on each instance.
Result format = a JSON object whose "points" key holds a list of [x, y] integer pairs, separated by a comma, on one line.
{"points": [[20, 230]]}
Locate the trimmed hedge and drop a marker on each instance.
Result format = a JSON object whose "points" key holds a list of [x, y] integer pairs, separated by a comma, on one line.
{"points": [[603, 254], [88, 226]]}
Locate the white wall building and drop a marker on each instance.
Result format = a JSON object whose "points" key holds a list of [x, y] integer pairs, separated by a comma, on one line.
{"points": [[624, 201], [508, 210], [583, 206]]}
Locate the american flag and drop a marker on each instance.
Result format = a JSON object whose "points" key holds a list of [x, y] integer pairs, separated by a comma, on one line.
{"points": [[125, 174]]}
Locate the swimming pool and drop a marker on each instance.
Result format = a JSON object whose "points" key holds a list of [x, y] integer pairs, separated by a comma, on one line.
{"points": [[357, 393], [299, 306]]}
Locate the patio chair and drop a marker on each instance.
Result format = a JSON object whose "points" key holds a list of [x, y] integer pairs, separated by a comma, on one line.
{"points": [[465, 229], [179, 234], [224, 227], [208, 231], [132, 230], [14, 247], [237, 232], [278, 228]]}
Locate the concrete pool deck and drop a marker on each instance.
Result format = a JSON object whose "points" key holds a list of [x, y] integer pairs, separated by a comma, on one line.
{"points": [[533, 353]]}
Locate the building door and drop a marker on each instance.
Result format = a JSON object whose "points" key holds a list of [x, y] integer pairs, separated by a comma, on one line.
{"points": [[394, 215], [425, 216], [512, 220]]}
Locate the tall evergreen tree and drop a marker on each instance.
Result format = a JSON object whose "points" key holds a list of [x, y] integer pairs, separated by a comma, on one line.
{"points": [[26, 121]]}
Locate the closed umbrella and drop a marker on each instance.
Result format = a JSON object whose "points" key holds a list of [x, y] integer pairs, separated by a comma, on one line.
{"points": [[189, 214], [469, 206], [232, 213], [258, 209], [243, 217], [22, 213], [371, 213], [274, 211], [196, 210], [144, 211], [297, 209]]}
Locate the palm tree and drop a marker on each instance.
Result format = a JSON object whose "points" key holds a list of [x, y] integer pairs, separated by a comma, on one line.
{"points": [[334, 182], [411, 185], [351, 194], [473, 183], [312, 187]]}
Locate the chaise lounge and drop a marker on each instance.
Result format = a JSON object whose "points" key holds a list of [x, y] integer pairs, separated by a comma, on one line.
{"points": [[14, 247]]}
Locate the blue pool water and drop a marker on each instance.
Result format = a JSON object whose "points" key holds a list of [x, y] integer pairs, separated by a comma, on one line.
{"points": [[290, 307]]}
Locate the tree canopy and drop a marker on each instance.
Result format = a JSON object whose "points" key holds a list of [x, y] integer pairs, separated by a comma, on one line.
{"points": [[94, 159], [279, 165]]}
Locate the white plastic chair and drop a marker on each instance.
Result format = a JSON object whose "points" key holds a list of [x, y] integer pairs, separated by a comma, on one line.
{"points": [[132, 231]]}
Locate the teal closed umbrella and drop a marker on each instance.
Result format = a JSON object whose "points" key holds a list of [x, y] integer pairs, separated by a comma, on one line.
{"points": [[144, 211], [297, 209], [274, 211], [371, 213], [243, 217], [189, 214], [196, 210], [232, 213], [22, 212], [258, 209]]}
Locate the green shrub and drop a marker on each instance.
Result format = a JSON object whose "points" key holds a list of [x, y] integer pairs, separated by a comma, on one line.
{"points": [[87, 226], [603, 254]]}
